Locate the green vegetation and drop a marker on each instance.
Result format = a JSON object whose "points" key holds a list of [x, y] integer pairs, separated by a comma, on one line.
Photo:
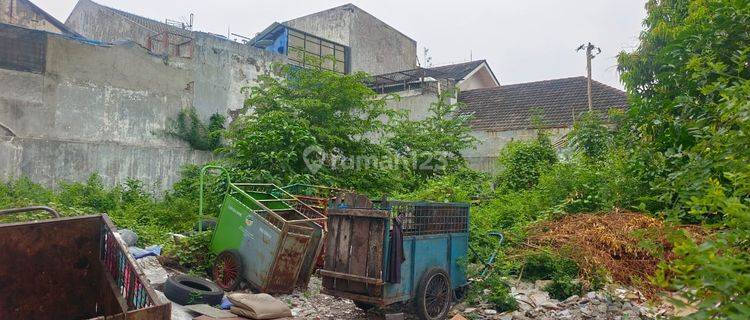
{"points": [[681, 153], [201, 136]]}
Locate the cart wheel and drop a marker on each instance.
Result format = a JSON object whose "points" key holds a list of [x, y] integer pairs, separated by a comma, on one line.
{"points": [[434, 295], [227, 270]]}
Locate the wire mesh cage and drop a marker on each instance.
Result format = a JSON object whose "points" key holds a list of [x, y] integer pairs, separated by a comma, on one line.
{"points": [[424, 218]]}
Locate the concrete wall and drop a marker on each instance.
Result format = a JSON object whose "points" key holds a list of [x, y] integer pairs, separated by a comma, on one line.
{"points": [[478, 80], [484, 157], [219, 68], [222, 68], [95, 21], [416, 102], [19, 13], [98, 109], [376, 47]]}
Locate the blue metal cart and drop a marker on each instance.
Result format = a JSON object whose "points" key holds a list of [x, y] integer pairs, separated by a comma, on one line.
{"points": [[435, 246]]}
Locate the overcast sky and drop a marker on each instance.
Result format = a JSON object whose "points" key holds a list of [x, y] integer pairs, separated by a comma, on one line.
{"points": [[523, 40]]}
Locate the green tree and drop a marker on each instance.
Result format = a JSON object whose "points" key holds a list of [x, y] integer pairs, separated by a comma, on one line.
{"points": [[689, 82], [436, 141], [302, 116]]}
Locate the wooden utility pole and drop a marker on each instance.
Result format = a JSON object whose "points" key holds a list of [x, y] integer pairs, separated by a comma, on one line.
{"points": [[589, 56]]}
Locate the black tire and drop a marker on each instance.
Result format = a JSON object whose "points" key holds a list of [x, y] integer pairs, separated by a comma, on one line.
{"points": [[364, 306], [227, 270], [434, 295], [187, 290]]}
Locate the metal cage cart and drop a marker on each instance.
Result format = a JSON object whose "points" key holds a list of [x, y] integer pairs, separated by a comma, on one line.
{"points": [[263, 237], [360, 250]]}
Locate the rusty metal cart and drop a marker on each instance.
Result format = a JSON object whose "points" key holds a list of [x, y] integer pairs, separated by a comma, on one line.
{"points": [[435, 243], [71, 268], [263, 237]]}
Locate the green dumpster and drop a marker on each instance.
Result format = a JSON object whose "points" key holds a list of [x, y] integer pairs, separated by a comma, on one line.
{"points": [[265, 236]]}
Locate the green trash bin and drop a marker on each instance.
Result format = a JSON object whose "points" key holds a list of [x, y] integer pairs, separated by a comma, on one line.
{"points": [[263, 237]]}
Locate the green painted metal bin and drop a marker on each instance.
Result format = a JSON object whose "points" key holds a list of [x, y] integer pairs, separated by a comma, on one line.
{"points": [[276, 236]]}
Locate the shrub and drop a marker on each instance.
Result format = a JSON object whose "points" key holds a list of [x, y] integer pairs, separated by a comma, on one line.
{"points": [[195, 252], [493, 290], [546, 266], [563, 287], [521, 163], [201, 136], [590, 136]]}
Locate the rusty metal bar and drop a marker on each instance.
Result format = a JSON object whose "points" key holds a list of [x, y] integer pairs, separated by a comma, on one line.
{"points": [[31, 209]]}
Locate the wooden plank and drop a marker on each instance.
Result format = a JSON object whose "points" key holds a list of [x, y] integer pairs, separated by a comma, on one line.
{"points": [[368, 213], [354, 296], [342, 251], [359, 251], [347, 276], [375, 254], [334, 224]]}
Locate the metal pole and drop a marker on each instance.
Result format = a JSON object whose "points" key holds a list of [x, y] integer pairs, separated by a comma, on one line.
{"points": [[589, 56]]}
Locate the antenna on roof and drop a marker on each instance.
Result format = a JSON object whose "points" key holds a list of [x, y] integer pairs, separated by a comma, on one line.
{"points": [[186, 24]]}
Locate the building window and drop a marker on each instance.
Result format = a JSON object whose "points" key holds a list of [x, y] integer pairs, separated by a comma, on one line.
{"points": [[301, 46]]}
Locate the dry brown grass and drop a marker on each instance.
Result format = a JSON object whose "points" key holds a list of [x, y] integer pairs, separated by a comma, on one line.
{"points": [[628, 245]]}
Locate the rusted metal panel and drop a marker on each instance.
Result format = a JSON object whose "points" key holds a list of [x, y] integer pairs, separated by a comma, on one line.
{"points": [[22, 49], [57, 269], [288, 262], [48, 269]]}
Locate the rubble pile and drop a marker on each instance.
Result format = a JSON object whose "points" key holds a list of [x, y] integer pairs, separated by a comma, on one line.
{"points": [[534, 303]]}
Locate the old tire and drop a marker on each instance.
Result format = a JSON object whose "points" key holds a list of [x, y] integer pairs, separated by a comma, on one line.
{"points": [[227, 270], [434, 293], [187, 290], [364, 306]]}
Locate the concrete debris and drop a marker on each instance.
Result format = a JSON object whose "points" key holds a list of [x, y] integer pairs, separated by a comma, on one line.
{"points": [[178, 311], [210, 311], [534, 303], [155, 273]]}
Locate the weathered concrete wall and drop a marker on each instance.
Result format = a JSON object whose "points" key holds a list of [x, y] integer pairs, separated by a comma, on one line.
{"points": [[484, 157], [95, 21], [416, 102], [222, 68], [95, 109], [19, 13], [376, 47], [219, 68]]}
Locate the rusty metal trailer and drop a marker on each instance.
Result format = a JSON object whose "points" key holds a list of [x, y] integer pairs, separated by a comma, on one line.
{"points": [[71, 268]]}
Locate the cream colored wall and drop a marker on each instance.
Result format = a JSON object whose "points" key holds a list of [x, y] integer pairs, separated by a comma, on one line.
{"points": [[479, 80]]}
